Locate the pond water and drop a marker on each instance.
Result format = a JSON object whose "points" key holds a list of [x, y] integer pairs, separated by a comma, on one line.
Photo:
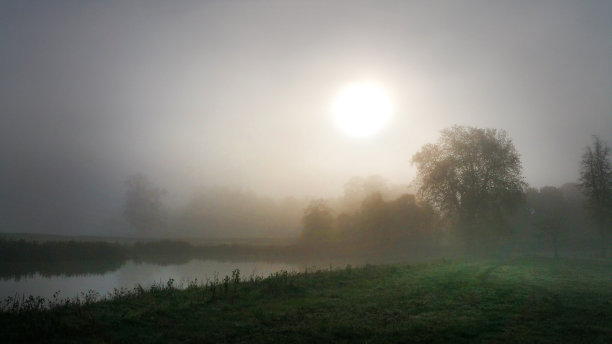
{"points": [[128, 275]]}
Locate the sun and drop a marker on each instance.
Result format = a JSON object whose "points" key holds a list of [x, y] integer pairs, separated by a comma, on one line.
{"points": [[362, 109]]}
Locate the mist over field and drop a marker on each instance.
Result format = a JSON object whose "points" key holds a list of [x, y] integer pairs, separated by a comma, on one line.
{"points": [[305, 171]]}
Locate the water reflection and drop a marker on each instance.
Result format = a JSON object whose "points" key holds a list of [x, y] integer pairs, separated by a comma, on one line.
{"points": [[72, 278], [17, 271]]}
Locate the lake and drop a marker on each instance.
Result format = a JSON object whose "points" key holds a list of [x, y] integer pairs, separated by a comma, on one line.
{"points": [[40, 282]]}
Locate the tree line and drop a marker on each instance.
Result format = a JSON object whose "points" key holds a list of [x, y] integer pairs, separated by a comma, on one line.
{"points": [[472, 193], [212, 213], [469, 192]]}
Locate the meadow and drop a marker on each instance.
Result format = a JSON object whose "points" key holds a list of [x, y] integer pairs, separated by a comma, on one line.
{"points": [[520, 299]]}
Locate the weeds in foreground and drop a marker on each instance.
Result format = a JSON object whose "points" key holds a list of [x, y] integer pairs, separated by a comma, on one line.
{"points": [[212, 289]]}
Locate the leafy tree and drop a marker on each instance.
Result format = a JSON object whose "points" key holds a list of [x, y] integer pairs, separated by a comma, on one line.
{"points": [[318, 221], [357, 189], [398, 222], [473, 176], [143, 207], [407, 217], [374, 216], [596, 184]]}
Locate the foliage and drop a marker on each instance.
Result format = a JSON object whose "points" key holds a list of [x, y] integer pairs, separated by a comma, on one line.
{"points": [[596, 183], [401, 219], [318, 221], [473, 176], [377, 224], [143, 207], [357, 189], [13, 251]]}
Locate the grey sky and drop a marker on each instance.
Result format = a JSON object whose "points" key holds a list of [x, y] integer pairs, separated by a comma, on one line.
{"points": [[238, 93]]}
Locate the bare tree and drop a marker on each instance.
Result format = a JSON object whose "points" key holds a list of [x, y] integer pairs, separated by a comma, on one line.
{"points": [[596, 184]]}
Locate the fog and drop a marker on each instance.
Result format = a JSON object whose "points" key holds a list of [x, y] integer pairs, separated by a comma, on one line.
{"points": [[236, 96]]}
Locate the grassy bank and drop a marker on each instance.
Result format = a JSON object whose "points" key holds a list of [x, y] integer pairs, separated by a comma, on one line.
{"points": [[524, 300]]}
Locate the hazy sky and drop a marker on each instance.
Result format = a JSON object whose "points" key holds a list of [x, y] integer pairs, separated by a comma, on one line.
{"points": [[239, 93]]}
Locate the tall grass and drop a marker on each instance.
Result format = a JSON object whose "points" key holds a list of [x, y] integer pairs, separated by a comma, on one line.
{"points": [[531, 299], [212, 289]]}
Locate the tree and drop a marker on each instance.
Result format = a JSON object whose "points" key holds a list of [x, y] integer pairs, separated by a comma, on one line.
{"points": [[416, 220], [143, 207], [596, 184], [318, 221], [374, 219], [548, 210], [473, 176], [357, 189]]}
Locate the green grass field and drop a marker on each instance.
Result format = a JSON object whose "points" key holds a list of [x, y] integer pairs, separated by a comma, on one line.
{"points": [[524, 300]]}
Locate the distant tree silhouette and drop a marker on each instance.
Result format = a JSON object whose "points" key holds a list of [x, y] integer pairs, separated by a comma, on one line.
{"points": [[318, 221], [407, 217], [226, 212], [548, 210], [473, 176], [576, 217], [401, 218], [374, 216], [143, 206], [596, 183], [399, 222], [358, 188], [346, 225]]}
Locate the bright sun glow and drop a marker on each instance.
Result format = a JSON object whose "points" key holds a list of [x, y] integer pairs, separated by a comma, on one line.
{"points": [[362, 109]]}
